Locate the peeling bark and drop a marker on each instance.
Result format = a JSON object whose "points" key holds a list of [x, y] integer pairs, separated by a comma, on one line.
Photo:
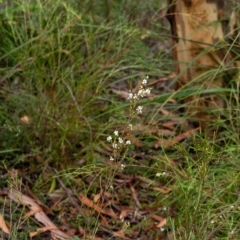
{"points": [[201, 52]]}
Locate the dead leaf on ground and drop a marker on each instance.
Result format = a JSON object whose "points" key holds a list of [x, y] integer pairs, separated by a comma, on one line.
{"points": [[162, 223], [41, 230], [170, 125], [157, 218], [104, 221], [47, 210], [89, 203], [120, 93], [32, 212], [39, 215], [151, 129], [123, 180], [120, 234], [134, 194], [170, 142], [163, 190], [174, 163], [167, 113], [97, 197], [124, 213], [25, 120], [3, 225]]}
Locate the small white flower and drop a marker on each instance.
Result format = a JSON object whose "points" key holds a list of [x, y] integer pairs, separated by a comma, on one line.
{"points": [[144, 82], [116, 133], [141, 93], [135, 96], [130, 96], [147, 91], [161, 174], [164, 209], [122, 166], [128, 142], [114, 145], [120, 140], [130, 126], [111, 159], [212, 222], [139, 109], [109, 138], [162, 229]]}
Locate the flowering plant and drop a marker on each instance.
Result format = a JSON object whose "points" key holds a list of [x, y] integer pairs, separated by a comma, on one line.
{"points": [[117, 140]]}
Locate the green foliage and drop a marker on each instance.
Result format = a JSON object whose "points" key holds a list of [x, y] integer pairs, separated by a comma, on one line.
{"points": [[59, 62]]}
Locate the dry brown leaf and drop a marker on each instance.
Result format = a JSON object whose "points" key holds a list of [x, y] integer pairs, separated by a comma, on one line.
{"points": [[167, 113], [56, 203], [109, 195], [123, 180], [39, 215], [174, 163], [32, 212], [165, 132], [151, 129], [157, 218], [171, 100], [81, 231], [41, 230], [97, 197], [170, 125], [170, 142], [120, 234], [3, 225], [46, 209], [134, 194], [120, 93], [162, 223], [184, 135], [86, 201], [104, 221], [25, 120], [124, 213], [163, 190]]}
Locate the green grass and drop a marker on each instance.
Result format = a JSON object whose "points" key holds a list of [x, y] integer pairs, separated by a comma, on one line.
{"points": [[60, 62]]}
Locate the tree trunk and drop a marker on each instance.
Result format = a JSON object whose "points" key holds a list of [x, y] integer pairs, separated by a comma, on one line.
{"points": [[201, 53]]}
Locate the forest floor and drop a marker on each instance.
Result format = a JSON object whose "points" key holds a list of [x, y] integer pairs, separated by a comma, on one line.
{"points": [[94, 140]]}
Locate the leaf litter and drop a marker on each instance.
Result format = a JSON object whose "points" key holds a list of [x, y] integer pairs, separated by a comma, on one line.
{"points": [[121, 211]]}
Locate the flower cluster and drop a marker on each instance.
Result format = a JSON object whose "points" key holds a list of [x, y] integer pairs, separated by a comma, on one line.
{"points": [[142, 92], [161, 174], [117, 141]]}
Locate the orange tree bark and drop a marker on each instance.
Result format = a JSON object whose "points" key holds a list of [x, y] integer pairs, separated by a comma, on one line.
{"points": [[201, 53]]}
